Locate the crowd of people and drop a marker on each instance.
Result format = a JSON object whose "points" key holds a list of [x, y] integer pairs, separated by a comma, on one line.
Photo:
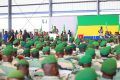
{"points": [[24, 56]]}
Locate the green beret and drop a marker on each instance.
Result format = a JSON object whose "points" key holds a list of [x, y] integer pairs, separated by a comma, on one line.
{"points": [[39, 46], [104, 51], [86, 74], [90, 51], [73, 46], [15, 41], [36, 38], [95, 43], [116, 47], [16, 74], [34, 51], [27, 45], [49, 60], [23, 62], [64, 44], [22, 43], [68, 48], [14, 49], [109, 48], [53, 44], [59, 48], [82, 46], [7, 51], [51, 39], [46, 49], [58, 42], [90, 41], [71, 39], [118, 51], [31, 42], [41, 39], [77, 41], [103, 43], [109, 66], [36, 42], [90, 46], [26, 51], [28, 39], [85, 59]]}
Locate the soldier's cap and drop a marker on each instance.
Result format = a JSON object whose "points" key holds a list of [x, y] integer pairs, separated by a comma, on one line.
{"points": [[73, 46], [7, 51], [118, 51], [109, 66], [27, 45], [103, 43], [95, 43], [22, 43], [53, 44], [46, 49], [104, 51], [85, 59], [15, 41], [64, 44], [16, 74], [26, 51], [49, 60], [68, 48], [28, 39], [71, 39], [39, 46], [14, 49], [90, 51], [86, 74], [23, 62], [35, 51], [82, 46], [59, 48], [77, 41]]}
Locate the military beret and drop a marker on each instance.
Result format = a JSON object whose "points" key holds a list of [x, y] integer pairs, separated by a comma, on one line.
{"points": [[36, 39], [71, 39], [23, 62], [68, 48], [59, 48], [26, 51], [15, 41], [7, 51], [53, 44], [64, 44], [46, 49], [27, 45], [90, 51], [82, 46], [95, 43], [28, 39], [86, 74], [103, 43], [39, 46], [77, 41], [85, 59], [109, 66], [22, 43], [49, 60], [14, 49], [104, 51], [118, 51], [34, 51], [90, 41], [16, 74], [73, 46]]}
